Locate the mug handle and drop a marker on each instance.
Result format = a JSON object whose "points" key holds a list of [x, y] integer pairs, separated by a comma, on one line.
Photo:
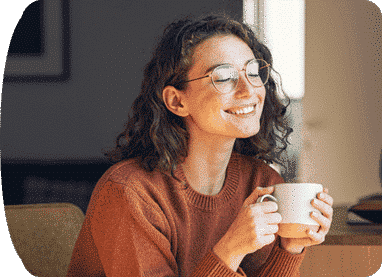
{"points": [[261, 199]]}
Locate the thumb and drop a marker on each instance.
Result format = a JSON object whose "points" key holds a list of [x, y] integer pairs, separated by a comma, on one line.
{"points": [[258, 192]]}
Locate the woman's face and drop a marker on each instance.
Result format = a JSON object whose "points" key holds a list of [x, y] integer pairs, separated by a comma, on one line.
{"points": [[210, 113]]}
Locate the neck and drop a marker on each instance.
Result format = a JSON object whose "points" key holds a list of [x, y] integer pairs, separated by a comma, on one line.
{"points": [[206, 164]]}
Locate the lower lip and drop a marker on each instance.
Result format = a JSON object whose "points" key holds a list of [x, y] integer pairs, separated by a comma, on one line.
{"points": [[244, 115]]}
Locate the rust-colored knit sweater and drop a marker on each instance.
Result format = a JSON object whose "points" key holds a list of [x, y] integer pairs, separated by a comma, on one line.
{"points": [[143, 223]]}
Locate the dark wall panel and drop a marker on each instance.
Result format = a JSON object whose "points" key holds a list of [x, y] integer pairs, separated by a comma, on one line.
{"points": [[53, 133]]}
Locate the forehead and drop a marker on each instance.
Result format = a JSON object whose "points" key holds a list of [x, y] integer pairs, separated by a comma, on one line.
{"points": [[221, 49]]}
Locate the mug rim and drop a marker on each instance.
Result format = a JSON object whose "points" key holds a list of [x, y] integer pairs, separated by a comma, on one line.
{"points": [[297, 184]]}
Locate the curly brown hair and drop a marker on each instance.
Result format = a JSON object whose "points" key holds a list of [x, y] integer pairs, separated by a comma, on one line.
{"points": [[158, 137]]}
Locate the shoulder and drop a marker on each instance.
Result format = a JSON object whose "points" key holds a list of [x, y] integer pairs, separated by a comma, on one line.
{"points": [[126, 185], [127, 191], [125, 171], [137, 182]]}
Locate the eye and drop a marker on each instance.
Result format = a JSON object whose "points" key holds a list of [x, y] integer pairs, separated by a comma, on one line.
{"points": [[222, 79], [225, 73], [253, 75], [253, 69]]}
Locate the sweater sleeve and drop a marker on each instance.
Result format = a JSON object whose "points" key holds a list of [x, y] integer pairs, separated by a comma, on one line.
{"points": [[281, 263], [124, 234]]}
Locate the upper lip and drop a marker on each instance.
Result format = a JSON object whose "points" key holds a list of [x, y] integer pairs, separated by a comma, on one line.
{"points": [[241, 106]]}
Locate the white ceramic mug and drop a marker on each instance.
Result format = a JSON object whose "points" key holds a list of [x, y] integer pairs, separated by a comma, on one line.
{"points": [[294, 206]]}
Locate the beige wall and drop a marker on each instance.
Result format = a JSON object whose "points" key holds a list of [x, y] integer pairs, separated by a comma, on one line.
{"points": [[342, 106]]}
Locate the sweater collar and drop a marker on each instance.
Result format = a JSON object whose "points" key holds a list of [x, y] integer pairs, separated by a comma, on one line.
{"points": [[211, 202]]}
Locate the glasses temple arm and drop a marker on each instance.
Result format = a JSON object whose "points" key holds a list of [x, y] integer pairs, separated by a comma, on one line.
{"points": [[268, 65], [192, 80]]}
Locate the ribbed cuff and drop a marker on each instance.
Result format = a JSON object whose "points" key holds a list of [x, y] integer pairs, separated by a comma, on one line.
{"points": [[211, 265], [282, 263]]}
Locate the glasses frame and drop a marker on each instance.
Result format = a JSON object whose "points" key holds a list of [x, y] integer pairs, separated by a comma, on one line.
{"points": [[246, 75]]}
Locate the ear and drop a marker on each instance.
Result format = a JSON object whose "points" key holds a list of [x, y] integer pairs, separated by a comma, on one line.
{"points": [[175, 101]]}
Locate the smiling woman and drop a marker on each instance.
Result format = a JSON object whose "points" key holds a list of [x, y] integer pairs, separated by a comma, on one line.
{"points": [[171, 62], [181, 199]]}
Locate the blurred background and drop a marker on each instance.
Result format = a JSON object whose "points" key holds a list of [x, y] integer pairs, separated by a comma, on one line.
{"points": [[67, 97]]}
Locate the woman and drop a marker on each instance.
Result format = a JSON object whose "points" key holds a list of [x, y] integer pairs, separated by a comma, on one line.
{"points": [[181, 201]]}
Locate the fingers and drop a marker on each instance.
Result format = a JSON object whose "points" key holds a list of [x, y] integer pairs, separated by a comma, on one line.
{"points": [[268, 239], [267, 190], [323, 221], [323, 207], [267, 207], [273, 228], [323, 203], [267, 229], [273, 218], [266, 211], [317, 238], [259, 191], [259, 209], [325, 197]]}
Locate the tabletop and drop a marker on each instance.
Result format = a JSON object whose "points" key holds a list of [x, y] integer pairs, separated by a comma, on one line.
{"points": [[342, 233]]}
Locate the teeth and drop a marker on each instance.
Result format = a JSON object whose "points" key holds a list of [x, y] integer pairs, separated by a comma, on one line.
{"points": [[242, 111]]}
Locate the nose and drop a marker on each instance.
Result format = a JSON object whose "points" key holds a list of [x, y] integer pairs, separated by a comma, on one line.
{"points": [[244, 88]]}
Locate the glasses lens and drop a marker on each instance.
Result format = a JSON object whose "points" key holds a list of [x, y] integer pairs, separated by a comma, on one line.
{"points": [[258, 72], [224, 78]]}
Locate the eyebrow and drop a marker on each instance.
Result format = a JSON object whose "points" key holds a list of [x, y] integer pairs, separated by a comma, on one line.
{"points": [[219, 64]]}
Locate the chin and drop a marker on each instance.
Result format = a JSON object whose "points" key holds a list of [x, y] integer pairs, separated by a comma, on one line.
{"points": [[252, 132], [247, 134]]}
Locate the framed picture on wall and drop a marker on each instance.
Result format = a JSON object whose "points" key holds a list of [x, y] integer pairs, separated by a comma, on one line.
{"points": [[38, 50]]}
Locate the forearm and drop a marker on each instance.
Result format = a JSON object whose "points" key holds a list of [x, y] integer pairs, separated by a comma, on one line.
{"points": [[284, 244], [280, 262]]}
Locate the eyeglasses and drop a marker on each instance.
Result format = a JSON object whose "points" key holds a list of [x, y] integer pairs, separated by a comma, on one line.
{"points": [[225, 77]]}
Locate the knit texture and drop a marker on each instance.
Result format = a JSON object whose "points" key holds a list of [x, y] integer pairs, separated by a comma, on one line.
{"points": [[141, 223]]}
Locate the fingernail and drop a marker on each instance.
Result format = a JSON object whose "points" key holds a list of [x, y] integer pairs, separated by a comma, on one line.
{"points": [[259, 188]]}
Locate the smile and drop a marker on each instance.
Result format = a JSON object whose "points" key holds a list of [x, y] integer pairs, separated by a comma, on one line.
{"points": [[242, 111]]}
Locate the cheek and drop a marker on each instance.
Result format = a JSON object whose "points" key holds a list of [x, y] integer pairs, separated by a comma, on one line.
{"points": [[204, 102], [262, 94], [209, 111], [262, 97]]}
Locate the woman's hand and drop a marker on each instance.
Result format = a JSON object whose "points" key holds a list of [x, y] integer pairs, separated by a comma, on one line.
{"points": [[323, 203], [254, 227]]}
